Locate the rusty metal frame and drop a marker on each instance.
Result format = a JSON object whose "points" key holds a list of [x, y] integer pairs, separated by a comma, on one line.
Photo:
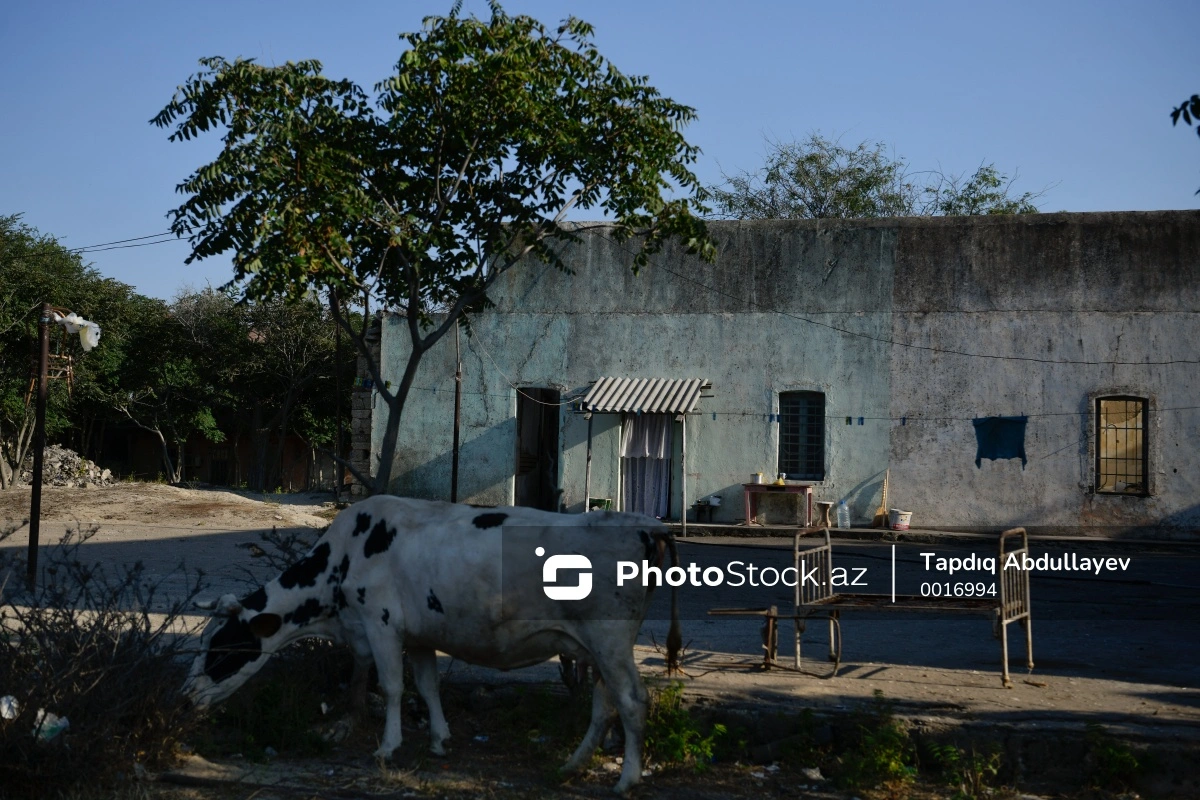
{"points": [[1013, 603]]}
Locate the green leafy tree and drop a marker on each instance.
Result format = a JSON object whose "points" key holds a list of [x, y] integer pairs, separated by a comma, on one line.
{"points": [[819, 178], [286, 353], [119, 310], [164, 388], [987, 191], [466, 162], [35, 268]]}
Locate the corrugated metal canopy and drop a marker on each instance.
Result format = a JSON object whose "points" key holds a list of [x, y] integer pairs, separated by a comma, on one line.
{"points": [[644, 395]]}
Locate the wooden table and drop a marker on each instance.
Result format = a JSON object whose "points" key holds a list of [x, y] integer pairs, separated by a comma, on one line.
{"points": [[751, 490]]}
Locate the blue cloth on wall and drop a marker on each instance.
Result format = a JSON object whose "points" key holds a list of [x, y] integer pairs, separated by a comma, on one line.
{"points": [[1000, 437]]}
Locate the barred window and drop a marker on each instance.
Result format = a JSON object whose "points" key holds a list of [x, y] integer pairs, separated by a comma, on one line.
{"points": [[1122, 445], [802, 435]]}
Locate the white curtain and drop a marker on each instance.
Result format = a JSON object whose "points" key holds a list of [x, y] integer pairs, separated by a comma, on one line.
{"points": [[646, 463]]}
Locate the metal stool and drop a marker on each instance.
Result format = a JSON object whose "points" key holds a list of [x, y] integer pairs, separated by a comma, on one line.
{"points": [[824, 507]]}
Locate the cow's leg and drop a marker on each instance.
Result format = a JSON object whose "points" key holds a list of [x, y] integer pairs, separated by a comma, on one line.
{"points": [[425, 675], [389, 662], [628, 694], [603, 715], [360, 680]]}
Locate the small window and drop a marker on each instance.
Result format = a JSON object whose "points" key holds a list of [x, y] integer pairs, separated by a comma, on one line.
{"points": [[1122, 445], [802, 435]]}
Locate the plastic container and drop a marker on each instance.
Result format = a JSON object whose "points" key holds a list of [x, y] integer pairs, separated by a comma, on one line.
{"points": [[843, 515], [898, 520]]}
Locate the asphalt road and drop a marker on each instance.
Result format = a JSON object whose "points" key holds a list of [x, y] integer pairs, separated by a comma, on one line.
{"points": [[1139, 621]]}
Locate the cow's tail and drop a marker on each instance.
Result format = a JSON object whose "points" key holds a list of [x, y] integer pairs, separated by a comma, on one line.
{"points": [[674, 635]]}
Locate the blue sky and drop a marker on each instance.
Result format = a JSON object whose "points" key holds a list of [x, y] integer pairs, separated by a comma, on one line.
{"points": [[1073, 95]]}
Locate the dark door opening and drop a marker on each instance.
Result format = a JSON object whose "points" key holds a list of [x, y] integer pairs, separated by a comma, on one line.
{"points": [[537, 448]]}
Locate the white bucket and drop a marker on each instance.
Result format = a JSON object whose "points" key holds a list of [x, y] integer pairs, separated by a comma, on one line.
{"points": [[898, 520], [714, 499]]}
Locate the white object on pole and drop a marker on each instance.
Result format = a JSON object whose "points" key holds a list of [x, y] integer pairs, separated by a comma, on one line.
{"points": [[9, 708], [89, 332]]}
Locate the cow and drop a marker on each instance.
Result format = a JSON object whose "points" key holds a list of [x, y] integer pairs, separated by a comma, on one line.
{"points": [[427, 576]]}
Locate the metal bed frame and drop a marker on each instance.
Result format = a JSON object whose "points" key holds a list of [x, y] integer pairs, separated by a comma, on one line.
{"points": [[1012, 603]]}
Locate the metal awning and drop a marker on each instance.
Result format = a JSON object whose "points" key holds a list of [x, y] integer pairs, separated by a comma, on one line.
{"points": [[644, 395]]}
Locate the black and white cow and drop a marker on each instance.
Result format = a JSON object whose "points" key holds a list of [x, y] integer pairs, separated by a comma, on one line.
{"points": [[393, 573]]}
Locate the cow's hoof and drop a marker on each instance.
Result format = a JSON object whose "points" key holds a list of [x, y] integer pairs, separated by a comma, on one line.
{"points": [[384, 754], [622, 788], [438, 749]]}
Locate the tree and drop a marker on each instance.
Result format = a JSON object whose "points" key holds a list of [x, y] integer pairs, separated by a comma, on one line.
{"points": [[268, 357], [35, 268], [1189, 111], [820, 178], [985, 192], [466, 163], [164, 388]]}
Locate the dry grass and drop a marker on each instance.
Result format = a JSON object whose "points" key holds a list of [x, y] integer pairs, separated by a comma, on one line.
{"points": [[85, 646]]}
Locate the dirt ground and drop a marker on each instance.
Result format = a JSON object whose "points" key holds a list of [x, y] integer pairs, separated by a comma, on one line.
{"points": [[214, 529], [162, 504]]}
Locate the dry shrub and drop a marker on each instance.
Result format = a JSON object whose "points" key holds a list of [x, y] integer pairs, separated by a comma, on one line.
{"points": [[85, 645]]}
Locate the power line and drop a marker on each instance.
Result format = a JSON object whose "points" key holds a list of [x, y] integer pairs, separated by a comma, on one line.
{"points": [[918, 418], [121, 241], [97, 249], [119, 244], [471, 342]]}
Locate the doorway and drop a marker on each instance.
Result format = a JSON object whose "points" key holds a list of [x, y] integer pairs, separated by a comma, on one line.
{"points": [[646, 464], [537, 448]]}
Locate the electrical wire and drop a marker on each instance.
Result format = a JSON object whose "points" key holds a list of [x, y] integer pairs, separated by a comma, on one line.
{"points": [[118, 244], [471, 341], [121, 241], [127, 246]]}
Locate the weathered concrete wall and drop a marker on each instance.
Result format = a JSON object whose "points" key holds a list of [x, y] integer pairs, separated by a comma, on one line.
{"points": [[737, 323], [1040, 291], [831, 307]]}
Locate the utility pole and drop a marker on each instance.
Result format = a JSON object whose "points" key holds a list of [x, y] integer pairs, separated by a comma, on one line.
{"points": [[89, 337], [39, 445], [457, 415]]}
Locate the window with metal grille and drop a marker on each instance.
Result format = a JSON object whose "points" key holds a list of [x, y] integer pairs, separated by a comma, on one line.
{"points": [[802, 435], [1122, 445]]}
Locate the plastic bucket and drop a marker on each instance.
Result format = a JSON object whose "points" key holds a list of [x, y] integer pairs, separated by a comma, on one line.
{"points": [[898, 520]]}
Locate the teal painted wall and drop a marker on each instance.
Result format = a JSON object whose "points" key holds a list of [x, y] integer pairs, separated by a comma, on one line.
{"points": [[565, 331]]}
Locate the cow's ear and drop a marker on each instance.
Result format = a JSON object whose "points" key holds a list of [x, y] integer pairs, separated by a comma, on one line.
{"points": [[228, 606], [265, 625]]}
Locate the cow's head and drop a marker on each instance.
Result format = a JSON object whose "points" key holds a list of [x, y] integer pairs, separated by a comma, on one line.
{"points": [[242, 636], [236, 643]]}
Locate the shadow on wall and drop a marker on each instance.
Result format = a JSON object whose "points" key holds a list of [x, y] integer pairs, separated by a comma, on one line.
{"points": [[863, 499], [486, 467]]}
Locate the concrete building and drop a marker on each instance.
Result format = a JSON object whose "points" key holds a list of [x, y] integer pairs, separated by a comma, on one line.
{"points": [[1036, 370]]}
